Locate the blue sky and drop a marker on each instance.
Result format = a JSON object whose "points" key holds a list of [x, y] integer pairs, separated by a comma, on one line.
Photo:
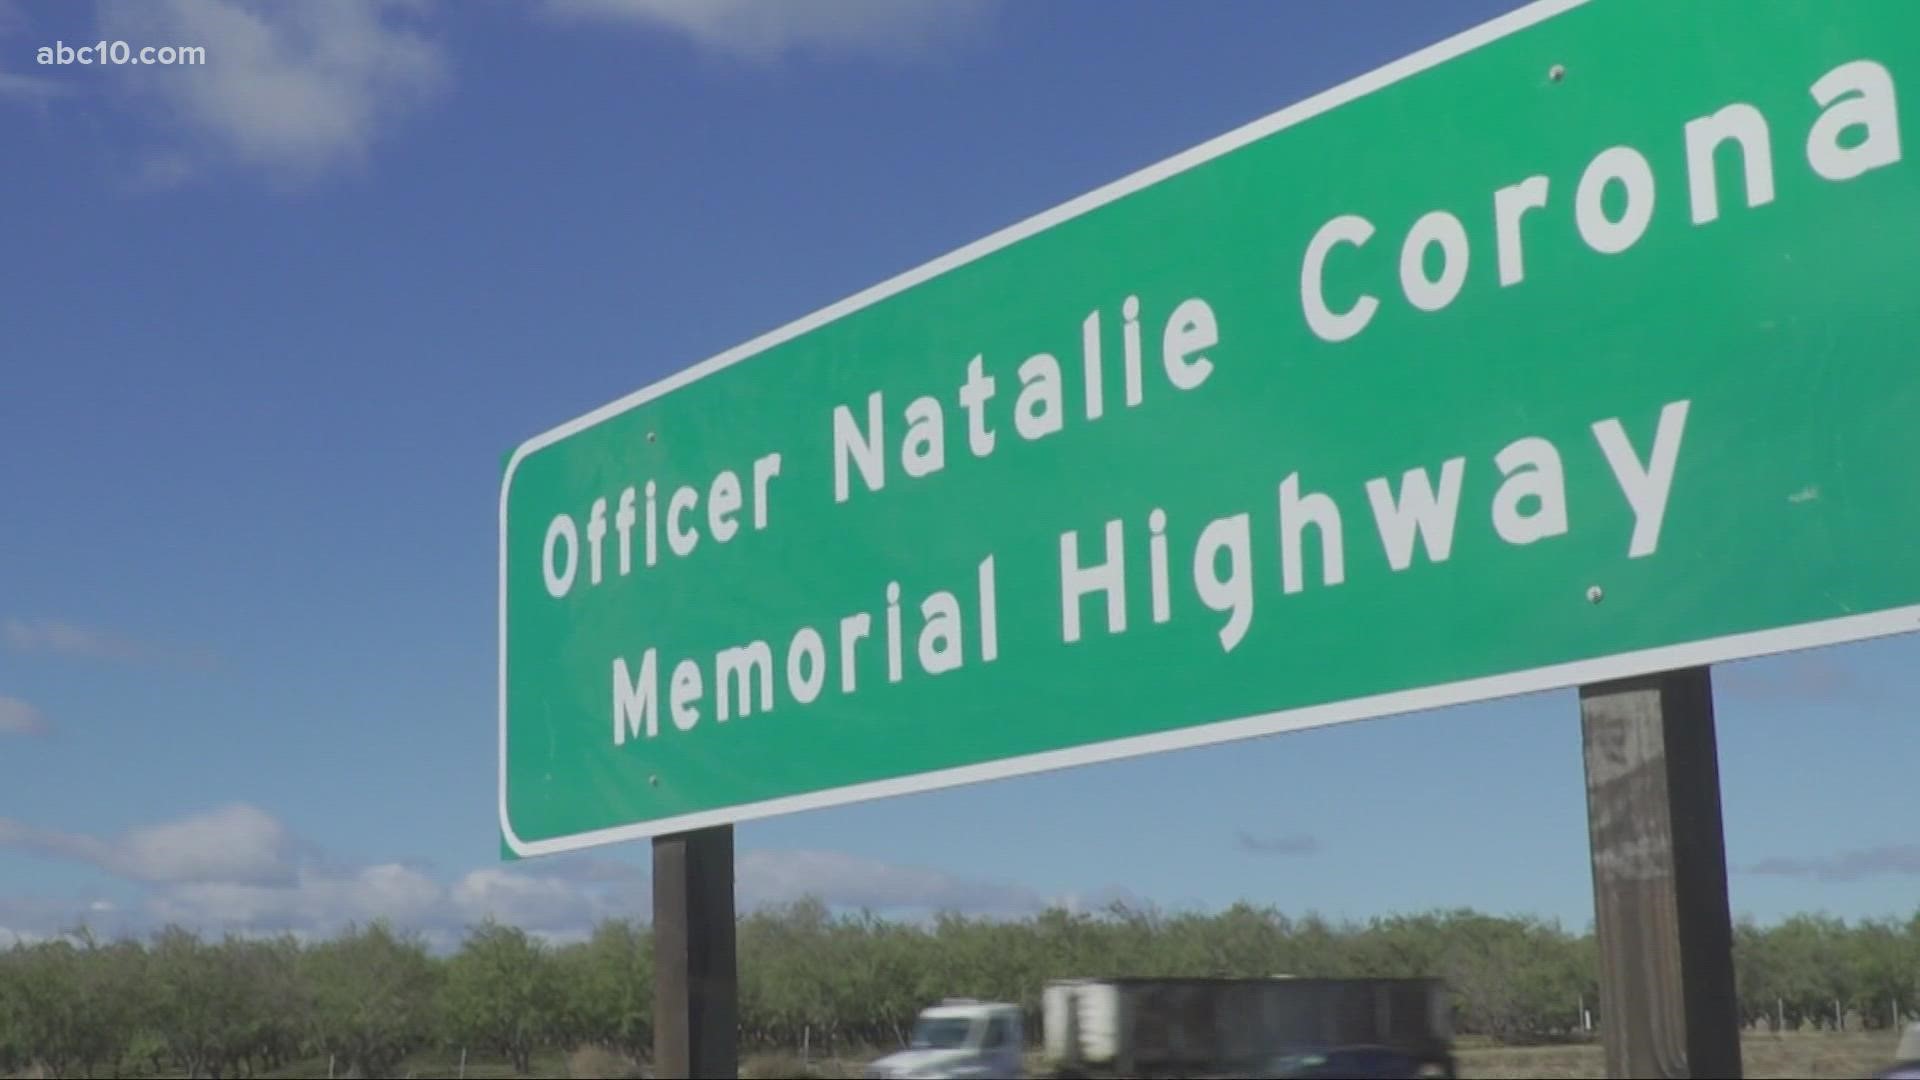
{"points": [[271, 326]]}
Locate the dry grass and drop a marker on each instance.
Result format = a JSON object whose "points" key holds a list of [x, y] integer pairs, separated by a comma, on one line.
{"points": [[789, 1067], [601, 1063], [1811, 1056]]}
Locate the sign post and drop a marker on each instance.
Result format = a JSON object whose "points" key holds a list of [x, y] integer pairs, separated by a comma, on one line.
{"points": [[696, 997], [1668, 1006]]}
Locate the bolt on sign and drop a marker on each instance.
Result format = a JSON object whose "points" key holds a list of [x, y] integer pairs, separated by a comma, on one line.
{"points": [[1583, 344]]}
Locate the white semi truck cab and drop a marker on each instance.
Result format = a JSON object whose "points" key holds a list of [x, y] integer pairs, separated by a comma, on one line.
{"points": [[959, 1037]]}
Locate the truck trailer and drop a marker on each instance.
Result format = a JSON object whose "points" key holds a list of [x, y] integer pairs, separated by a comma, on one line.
{"points": [[1265, 1027]]}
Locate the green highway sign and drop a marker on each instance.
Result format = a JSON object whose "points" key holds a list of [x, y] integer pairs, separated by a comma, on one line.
{"points": [[1581, 345]]}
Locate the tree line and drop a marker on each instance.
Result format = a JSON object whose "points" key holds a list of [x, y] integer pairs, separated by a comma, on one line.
{"points": [[369, 998]]}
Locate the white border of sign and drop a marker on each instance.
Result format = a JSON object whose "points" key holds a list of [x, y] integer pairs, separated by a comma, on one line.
{"points": [[1689, 654]]}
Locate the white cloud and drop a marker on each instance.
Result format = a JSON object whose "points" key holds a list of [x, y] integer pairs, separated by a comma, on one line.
{"points": [[28, 919], [766, 28], [319, 902], [1815, 675], [65, 638], [313, 901], [1098, 900], [19, 718], [238, 869], [58, 637], [1891, 860], [11, 936], [47, 635], [302, 90], [16, 87], [587, 868], [236, 844], [547, 906], [297, 89], [32, 88]]}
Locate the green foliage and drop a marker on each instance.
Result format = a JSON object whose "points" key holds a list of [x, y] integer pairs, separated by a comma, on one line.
{"points": [[608, 995], [503, 994], [821, 984], [201, 1003], [45, 1014], [375, 999]]}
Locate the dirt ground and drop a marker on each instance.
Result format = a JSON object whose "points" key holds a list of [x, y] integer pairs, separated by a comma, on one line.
{"points": [[1811, 1056], [1786, 1057]]}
